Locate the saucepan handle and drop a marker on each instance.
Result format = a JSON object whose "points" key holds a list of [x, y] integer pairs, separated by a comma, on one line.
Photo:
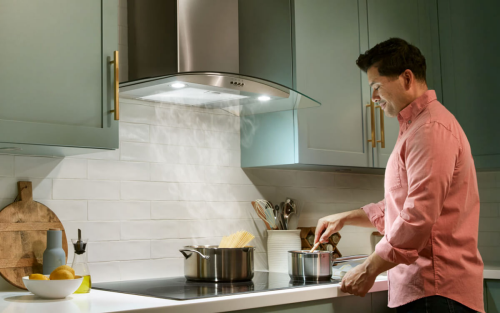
{"points": [[183, 251]]}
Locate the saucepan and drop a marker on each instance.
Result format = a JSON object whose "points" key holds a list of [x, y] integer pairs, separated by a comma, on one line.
{"points": [[304, 265], [214, 264]]}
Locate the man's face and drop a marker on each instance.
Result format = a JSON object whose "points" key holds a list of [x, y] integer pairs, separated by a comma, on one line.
{"points": [[388, 92]]}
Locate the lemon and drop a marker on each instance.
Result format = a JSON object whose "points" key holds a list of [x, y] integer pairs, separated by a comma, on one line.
{"points": [[38, 277], [66, 268], [61, 274]]}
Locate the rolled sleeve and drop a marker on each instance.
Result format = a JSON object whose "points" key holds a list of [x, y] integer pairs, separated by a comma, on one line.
{"points": [[429, 156], [376, 215]]}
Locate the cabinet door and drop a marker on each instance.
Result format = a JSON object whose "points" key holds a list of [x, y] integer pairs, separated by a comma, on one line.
{"points": [[327, 44], [492, 296], [470, 41], [415, 22], [56, 79]]}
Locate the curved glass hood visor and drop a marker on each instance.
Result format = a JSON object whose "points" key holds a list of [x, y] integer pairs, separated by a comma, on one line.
{"points": [[235, 93]]}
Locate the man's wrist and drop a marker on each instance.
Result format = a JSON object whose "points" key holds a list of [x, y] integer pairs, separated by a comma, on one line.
{"points": [[374, 265]]}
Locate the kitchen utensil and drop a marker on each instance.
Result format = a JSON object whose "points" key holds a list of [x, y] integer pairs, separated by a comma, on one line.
{"points": [[316, 266], [264, 210], [260, 213], [23, 236], [280, 216], [290, 208], [214, 264], [80, 263], [279, 242], [52, 289], [316, 245]]}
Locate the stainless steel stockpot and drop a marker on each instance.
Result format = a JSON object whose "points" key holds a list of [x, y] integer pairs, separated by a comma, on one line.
{"points": [[310, 266], [214, 264], [304, 265]]}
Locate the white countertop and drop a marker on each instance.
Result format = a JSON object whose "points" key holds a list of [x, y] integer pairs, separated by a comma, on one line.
{"points": [[98, 301], [104, 301]]}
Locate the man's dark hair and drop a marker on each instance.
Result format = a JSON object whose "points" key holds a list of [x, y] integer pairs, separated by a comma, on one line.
{"points": [[392, 57]]}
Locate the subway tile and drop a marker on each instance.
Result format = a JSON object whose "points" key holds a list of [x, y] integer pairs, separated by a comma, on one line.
{"points": [[486, 179], [224, 157], [119, 251], [144, 269], [149, 191], [489, 254], [194, 156], [260, 260], [105, 271], [224, 123], [7, 165], [193, 192], [489, 223], [119, 210], [43, 167], [169, 248], [67, 210], [93, 231], [222, 140], [144, 230], [228, 210], [489, 195], [489, 210], [135, 113], [86, 189], [354, 181], [134, 132], [131, 151], [226, 175], [8, 187], [178, 210], [118, 170], [178, 136], [177, 173], [488, 238], [42, 188]]}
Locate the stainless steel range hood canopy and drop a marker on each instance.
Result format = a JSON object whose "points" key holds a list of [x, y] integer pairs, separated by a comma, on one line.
{"points": [[188, 52]]}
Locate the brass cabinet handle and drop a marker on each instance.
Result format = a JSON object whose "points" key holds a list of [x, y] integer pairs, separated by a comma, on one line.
{"points": [[382, 128], [372, 113], [117, 86]]}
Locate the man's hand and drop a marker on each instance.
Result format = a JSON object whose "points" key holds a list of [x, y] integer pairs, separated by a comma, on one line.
{"points": [[359, 280], [331, 224]]}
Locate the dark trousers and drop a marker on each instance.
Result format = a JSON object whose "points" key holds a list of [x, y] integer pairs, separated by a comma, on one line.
{"points": [[434, 304]]}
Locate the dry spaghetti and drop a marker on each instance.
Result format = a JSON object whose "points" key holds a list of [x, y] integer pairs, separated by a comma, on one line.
{"points": [[236, 240]]}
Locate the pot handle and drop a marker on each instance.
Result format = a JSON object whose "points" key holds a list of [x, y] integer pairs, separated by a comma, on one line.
{"points": [[183, 251]]}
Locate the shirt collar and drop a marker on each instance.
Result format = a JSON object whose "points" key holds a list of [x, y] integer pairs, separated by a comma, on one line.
{"points": [[418, 105]]}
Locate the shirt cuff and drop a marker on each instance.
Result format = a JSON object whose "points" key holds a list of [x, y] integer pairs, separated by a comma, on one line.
{"points": [[395, 255], [375, 213]]}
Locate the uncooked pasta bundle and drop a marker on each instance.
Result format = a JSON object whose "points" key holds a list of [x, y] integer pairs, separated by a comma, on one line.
{"points": [[236, 240]]}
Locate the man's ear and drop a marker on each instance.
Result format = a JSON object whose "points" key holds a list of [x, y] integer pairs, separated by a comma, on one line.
{"points": [[408, 79]]}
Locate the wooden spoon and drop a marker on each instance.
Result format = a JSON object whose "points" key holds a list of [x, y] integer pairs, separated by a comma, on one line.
{"points": [[315, 247]]}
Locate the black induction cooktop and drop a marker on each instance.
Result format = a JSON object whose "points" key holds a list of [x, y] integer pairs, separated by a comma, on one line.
{"points": [[178, 288]]}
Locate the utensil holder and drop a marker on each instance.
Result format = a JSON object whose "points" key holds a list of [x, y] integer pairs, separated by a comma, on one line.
{"points": [[279, 242]]}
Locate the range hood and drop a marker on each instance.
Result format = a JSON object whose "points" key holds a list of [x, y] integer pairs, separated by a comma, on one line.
{"points": [[187, 52]]}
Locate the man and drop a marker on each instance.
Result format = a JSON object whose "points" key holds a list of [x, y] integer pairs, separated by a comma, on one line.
{"points": [[430, 213]]}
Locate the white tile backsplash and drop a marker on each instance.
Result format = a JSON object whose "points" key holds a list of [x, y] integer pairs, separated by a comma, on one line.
{"points": [[177, 180]]}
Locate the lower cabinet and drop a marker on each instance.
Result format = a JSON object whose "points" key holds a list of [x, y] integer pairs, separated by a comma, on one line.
{"points": [[375, 302], [492, 295]]}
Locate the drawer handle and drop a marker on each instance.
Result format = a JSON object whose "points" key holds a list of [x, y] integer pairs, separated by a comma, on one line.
{"points": [[382, 128], [117, 86], [372, 114]]}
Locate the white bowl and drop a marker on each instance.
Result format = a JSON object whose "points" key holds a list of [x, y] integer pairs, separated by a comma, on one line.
{"points": [[52, 289]]}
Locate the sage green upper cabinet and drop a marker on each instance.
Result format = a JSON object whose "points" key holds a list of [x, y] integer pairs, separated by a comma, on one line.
{"points": [[415, 21], [470, 41], [328, 40], [56, 79]]}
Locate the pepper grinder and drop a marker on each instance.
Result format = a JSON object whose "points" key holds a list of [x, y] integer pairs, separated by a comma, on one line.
{"points": [[54, 256], [80, 263]]}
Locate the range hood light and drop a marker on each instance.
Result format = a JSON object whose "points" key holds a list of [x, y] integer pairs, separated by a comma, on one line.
{"points": [[264, 98], [178, 85]]}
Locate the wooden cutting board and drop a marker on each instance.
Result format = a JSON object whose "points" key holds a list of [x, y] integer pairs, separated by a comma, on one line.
{"points": [[23, 235]]}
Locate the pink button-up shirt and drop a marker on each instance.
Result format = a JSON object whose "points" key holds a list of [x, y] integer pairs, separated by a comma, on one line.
{"points": [[430, 213]]}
